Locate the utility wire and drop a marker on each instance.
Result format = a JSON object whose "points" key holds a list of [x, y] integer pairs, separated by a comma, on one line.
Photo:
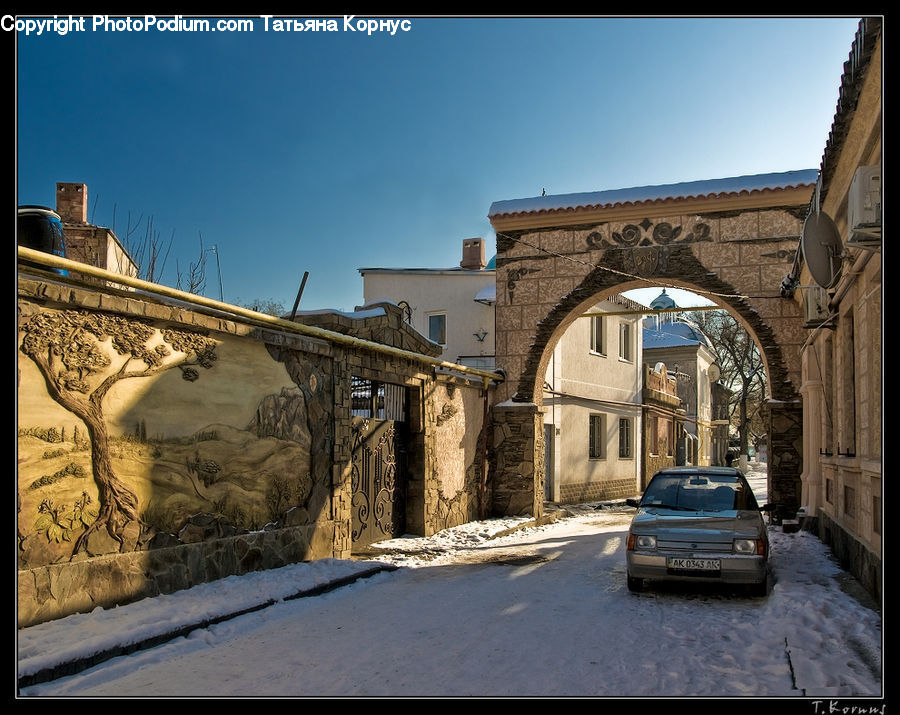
{"points": [[652, 282]]}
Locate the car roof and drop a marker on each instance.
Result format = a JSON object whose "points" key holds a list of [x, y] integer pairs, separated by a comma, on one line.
{"points": [[724, 471]]}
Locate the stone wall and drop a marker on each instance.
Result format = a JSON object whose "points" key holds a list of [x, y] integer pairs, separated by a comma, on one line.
{"points": [[551, 268], [161, 447], [518, 460], [456, 476], [58, 590], [853, 555], [597, 491]]}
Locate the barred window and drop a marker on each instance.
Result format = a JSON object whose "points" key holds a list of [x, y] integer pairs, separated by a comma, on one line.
{"points": [[597, 446], [625, 438]]}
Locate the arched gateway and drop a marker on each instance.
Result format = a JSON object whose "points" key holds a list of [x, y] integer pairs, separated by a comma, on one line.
{"points": [[732, 240]]}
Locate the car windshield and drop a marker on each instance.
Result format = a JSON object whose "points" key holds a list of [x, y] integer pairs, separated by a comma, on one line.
{"points": [[699, 492]]}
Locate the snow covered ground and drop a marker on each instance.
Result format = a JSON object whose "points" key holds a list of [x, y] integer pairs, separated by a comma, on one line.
{"points": [[494, 608]]}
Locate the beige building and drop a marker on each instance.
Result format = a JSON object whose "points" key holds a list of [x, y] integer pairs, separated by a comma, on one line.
{"points": [[837, 282], [592, 407], [689, 358]]}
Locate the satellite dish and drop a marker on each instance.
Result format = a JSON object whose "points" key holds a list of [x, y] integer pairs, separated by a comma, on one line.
{"points": [[821, 244], [714, 373]]}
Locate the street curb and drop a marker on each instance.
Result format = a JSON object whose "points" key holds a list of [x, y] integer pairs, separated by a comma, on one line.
{"points": [[79, 665]]}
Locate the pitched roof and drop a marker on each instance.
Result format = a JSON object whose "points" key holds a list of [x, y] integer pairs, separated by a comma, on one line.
{"points": [[710, 188]]}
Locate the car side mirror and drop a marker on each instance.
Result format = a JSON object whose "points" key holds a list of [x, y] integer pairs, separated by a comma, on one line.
{"points": [[633, 502]]}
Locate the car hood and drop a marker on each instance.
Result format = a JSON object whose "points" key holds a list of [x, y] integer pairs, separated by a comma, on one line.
{"points": [[703, 525]]}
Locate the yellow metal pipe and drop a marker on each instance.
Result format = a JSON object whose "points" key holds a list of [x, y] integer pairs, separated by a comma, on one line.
{"points": [[258, 318]]}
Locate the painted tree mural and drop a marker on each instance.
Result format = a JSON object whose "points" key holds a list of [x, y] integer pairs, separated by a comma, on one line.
{"points": [[81, 355]]}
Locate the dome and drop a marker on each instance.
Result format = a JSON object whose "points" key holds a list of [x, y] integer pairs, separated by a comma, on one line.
{"points": [[491, 264], [663, 302]]}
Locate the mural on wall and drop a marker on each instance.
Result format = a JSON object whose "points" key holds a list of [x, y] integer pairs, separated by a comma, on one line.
{"points": [[156, 430]]}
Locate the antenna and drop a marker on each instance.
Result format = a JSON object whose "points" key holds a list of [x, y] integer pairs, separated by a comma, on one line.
{"points": [[821, 245]]}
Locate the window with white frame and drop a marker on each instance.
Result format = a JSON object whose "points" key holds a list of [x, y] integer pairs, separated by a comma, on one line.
{"points": [[597, 438], [598, 335], [437, 328], [625, 341], [625, 438]]}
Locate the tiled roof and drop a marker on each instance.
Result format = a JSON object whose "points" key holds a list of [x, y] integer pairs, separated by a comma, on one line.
{"points": [[710, 188], [855, 69]]}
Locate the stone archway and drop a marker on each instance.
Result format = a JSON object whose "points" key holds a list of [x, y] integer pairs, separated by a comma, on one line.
{"points": [[735, 244]]}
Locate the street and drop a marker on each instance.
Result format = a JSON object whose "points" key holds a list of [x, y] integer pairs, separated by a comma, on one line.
{"points": [[542, 611]]}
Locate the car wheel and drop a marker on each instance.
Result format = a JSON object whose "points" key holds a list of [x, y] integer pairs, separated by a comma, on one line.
{"points": [[759, 590], [635, 585]]}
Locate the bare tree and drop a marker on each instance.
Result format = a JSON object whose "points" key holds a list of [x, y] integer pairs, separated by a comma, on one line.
{"points": [[145, 245], [268, 306], [195, 281], [743, 372]]}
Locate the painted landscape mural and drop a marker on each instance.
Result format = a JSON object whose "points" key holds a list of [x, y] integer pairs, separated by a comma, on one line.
{"points": [[134, 435]]}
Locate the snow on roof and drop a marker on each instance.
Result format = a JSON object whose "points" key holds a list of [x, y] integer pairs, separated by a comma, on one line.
{"points": [[674, 334], [487, 295], [643, 194]]}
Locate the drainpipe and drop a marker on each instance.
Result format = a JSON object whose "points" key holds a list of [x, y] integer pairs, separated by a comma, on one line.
{"points": [[482, 496]]}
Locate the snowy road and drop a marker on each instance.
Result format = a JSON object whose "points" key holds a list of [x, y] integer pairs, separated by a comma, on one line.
{"points": [[541, 612]]}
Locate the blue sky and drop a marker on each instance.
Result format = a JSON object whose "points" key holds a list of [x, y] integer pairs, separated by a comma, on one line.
{"points": [[330, 151]]}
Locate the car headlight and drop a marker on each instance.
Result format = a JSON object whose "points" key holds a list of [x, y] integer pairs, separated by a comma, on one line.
{"points": [[749, 547], [641, 541]]}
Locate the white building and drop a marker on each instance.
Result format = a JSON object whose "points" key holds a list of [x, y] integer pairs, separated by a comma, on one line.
{"points": [[453, 307], [592, 399]]}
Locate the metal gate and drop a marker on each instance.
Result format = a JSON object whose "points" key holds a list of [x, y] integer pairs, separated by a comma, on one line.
{"points": [[378, 462]]}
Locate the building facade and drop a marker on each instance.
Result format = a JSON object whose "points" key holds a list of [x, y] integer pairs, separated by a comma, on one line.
{"points": [[592, 407], [453, 307], [689, 358], [839, 289], [663, 421]]}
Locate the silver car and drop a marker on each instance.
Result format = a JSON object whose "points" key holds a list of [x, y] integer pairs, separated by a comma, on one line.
{"points": [[698, 524]]}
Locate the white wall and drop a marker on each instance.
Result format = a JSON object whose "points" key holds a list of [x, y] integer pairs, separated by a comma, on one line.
{"points": [[451, 292], [590, 382]]}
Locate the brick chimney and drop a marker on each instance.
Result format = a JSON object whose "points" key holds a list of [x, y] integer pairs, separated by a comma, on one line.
{"points": [[473, 254], [71, 202]]}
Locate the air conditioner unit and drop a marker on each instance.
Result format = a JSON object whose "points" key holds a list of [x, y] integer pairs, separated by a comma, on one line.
{"points": [[864, 207], [815, 306]]}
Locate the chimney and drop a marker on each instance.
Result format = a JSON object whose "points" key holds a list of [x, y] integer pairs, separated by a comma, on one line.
{"points": [[473, 254], [71, 202]]}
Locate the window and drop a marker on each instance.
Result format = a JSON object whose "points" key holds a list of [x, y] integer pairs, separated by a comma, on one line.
{"points": [[437, 328], [849, 501], [829, 491], [876, 514], [654, 435], [378, 400], [847, 438], [624, 438], [625, 341], [597, 447], [597, 335], [670, 437]]}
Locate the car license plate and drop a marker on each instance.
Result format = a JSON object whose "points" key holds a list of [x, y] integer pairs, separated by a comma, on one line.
{"points": [[694, 564]]}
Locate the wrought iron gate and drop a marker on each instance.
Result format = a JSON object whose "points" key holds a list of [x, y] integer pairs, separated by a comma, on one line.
{"points": [[378, 463]]}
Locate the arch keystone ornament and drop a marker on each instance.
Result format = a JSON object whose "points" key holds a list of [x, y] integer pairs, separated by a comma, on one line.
{"points": [[732, 240]]}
